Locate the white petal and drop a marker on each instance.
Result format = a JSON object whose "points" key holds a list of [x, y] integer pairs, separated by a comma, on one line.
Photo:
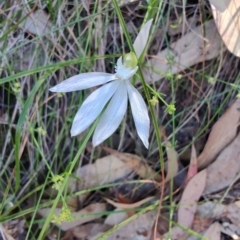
{"points": [[83, 81], [142, 38], [112, 116], [140, 113], [92, 107]]}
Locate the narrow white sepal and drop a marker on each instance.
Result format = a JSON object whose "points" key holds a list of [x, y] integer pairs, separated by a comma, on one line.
{"points": [[92, 107], [83, 81], [112, 116], [142, 38], [140, 114]]}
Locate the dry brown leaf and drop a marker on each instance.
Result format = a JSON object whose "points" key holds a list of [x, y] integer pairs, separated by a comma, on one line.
{"points": [[225, 169], [213, 232], [193, 166], [188, 204], [104, 170], [172, 156], [129, 206], [136, 164], [227, 17], [222, 133], [201, 44], [37, 23], [138, 229], [95, 211]]}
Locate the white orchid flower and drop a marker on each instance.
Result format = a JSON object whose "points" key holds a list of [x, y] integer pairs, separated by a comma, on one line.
{"points": [[114, 95]]}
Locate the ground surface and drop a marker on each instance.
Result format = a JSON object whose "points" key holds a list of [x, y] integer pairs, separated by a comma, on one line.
{"points": [[57, 187]]}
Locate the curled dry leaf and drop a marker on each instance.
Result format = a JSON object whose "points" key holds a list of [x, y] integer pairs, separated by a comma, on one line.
{"points": [[172, 157], [37, 23], [172, 164], [193, 167], [136, 164], [201, 44], [129, 206], [94, 211], [188, 204], [213, 232], [227, 18], [225, 169], [104, 170], [222, 133]]}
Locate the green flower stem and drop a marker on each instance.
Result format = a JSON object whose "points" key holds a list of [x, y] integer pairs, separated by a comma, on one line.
{"points": [[154, 119], [157, 94]]}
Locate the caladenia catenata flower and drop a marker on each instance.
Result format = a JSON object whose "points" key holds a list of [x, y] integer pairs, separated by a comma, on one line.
{"points": [[112, 97]]}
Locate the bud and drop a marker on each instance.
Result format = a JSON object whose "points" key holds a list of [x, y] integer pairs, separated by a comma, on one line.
{"points": [[130, 60]]}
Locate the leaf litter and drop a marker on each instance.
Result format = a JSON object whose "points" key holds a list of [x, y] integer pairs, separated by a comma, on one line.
{"points": [[220, 156]]}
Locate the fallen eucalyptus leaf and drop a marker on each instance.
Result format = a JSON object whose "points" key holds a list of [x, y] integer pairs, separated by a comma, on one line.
{"points": [[225, 169], [222, 133], [188, 204]]}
